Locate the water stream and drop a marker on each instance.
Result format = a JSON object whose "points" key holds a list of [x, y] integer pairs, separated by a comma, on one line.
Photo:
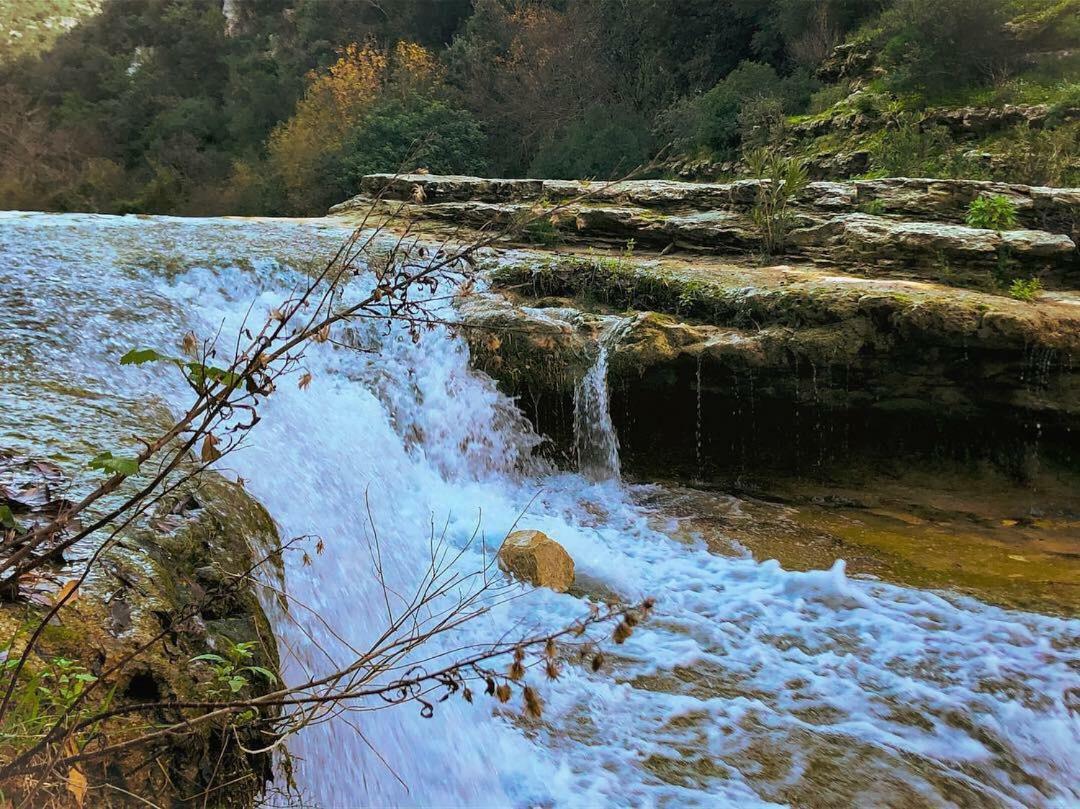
{"points": [[595, 441], [752, 686]]}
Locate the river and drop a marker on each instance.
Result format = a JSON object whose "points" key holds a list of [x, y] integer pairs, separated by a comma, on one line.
{"points": [[752, 685]]}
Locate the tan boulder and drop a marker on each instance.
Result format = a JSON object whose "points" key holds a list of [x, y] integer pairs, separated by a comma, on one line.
{"points": [[535, 557]]}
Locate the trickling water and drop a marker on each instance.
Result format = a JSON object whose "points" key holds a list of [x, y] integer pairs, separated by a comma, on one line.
{"points": [[752, 685], [595, 442]]}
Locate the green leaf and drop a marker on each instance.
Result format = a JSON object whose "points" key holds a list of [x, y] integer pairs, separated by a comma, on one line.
{"points": [[211, 658], [7, 519], [112, 464], [266, 674], [237, 683], [137, 356], [200, 374]]}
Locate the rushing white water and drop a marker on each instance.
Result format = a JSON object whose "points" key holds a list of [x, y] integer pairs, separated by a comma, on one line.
{"points": [[753, 685], [595, 441]]}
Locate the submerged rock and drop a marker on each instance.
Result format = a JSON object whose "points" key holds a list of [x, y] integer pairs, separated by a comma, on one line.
{"points": [[535, 557]]}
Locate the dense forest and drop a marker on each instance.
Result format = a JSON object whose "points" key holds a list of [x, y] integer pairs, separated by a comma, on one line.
{"points": [[279, 106]]}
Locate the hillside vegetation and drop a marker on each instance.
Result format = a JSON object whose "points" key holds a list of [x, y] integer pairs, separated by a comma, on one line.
{"points": [[170, 106]]}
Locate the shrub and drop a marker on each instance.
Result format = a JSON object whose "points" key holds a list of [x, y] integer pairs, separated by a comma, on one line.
{"points": [[782, 180], [409, 133], [605, 143], [993, 213], [935, 44], [1025, 289], [908, 150]]}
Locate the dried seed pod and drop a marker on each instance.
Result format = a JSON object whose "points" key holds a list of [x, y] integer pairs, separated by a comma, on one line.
{"points": [[551, 669], [597, 661], [517, 670], [502, 692], [622, 632], [533, 706], [550, 649]]}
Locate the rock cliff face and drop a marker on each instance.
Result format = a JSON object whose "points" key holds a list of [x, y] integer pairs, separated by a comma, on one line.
{"points": [[175, 587], [881, 338]]}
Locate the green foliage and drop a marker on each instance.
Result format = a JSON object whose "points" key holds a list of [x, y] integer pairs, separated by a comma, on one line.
{"points": [[1025, 289], [407, 133], [782, 179], [47, 689], [935, 44], [234, 671], [994, 213], [605, 143], [115, 465], [543, 232], [908, 150]]}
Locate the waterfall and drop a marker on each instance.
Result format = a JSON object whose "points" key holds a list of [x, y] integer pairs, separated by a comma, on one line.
{"points": [[753, 686], [595, 443]]}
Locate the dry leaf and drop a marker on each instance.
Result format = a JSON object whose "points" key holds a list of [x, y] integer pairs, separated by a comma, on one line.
{"points": [[277, 314], [307, 560], [77, 786], [67, 592], [502, 692], [418, 194], [319, 546], [305, 380], [189, 345], [322, 335], [210, 452]]}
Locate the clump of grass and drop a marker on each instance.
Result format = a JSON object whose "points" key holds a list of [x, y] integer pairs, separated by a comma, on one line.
{"points": [[1025, 289], [994, 213]]}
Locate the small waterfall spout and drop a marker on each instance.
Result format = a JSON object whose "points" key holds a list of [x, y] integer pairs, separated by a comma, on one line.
{"points": [[595, 441]]}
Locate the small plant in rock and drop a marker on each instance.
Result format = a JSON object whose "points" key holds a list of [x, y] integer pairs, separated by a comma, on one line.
{"points": [[874, 207], [993, 213], [782, 179], [234, 671], [543, 232], [1025, 289]]}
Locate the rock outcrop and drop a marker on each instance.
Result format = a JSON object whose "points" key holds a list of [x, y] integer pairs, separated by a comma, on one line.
{"points": [[908, 228], [886, 335], [535, 557]]}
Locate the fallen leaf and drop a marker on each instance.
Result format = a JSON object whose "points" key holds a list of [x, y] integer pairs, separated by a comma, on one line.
{"points": [[305, 380], [77, 786], [67, 592]]}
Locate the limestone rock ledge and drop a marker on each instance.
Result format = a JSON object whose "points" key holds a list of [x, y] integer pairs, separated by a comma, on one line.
{"points": [[158, 580]]}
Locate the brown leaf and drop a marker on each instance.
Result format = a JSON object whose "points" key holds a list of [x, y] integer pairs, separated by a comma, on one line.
{"points": [[322, 335], [277, 314], [209, 451], [550, 649], [502, 692], [517, 670], [622, 632], [418, 194], [319, 546], [68, 592], [305, 380], [551, 669], [189, 345], [76, 784], [307, 560], [597, 661]]}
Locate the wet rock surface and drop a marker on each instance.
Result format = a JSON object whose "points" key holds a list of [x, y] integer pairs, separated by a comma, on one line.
{"points": [[882, 336], [535, 557]]}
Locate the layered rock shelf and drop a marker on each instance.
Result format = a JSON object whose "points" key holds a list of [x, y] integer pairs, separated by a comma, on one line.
{"points": [[879, 339]]}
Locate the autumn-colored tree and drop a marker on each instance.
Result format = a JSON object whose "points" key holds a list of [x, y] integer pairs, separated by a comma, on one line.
{"points": [[303, 149]]}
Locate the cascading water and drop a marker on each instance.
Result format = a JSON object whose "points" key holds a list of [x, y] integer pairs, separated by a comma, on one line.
{"points": [[595, 442], [752, 686]]}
